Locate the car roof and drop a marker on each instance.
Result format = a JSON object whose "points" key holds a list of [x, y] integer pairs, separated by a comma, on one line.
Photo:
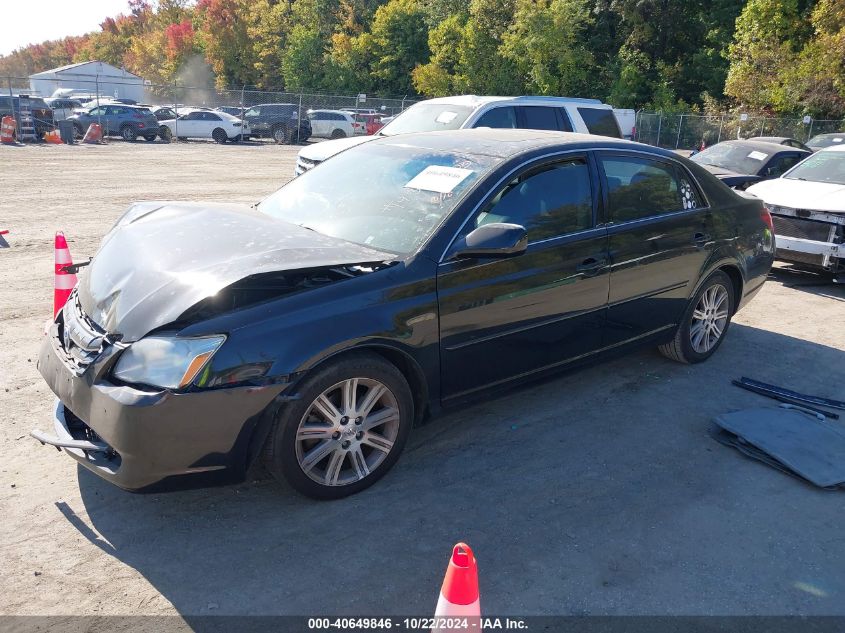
{"points": [[828, 135], [762, 146], [773, 139], [833, 148], [475, 101], [507, 143]]}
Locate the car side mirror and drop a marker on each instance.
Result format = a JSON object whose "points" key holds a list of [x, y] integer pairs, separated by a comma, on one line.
{"points": [[496, 239]]}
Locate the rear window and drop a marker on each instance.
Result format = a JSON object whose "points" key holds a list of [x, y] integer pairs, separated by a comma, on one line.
{"points": [[600, 121]]}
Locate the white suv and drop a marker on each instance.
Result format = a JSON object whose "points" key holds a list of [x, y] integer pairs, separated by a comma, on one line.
{"points": [[331, 123], [588, 116]]}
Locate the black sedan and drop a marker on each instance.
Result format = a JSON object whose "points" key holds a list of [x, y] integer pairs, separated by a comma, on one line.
{"points": [[820, 141], [400, 277], [739, 164]]}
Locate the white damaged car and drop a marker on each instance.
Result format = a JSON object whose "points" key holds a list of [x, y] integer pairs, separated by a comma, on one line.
{"points": [[807, 205], [218, 126]]}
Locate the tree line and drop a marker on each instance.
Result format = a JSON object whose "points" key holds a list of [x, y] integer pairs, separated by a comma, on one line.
{"points": [[780, 57]]}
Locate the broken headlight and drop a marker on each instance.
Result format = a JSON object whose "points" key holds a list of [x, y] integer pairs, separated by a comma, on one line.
{"points": [[166, 361]]}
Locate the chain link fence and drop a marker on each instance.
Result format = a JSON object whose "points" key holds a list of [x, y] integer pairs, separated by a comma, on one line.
{"points": [[69, 98], [690, 131]]}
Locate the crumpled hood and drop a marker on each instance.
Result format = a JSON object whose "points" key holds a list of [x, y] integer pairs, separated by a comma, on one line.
{"points": [[802, 194], [161, 258], [326, 149]]}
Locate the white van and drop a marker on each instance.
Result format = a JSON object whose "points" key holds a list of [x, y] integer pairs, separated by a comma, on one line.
{"points": [[588, 116]]}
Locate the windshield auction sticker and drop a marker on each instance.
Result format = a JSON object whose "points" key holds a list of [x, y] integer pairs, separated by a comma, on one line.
{"points": [[438, 178], [757, 156]]}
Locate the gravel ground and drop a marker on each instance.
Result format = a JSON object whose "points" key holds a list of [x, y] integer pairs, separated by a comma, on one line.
{"points": [[598, 492]]}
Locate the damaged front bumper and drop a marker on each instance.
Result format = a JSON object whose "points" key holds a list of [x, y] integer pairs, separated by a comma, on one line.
{"points": [[136, 438], [810, 237]]}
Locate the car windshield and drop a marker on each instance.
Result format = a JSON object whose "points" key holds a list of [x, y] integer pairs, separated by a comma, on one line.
{"points": [[427, 117], [826, 166], [826, 140], [739, 158], [388, 197]]}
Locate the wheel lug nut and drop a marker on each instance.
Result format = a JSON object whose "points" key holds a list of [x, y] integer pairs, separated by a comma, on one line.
{"points": [[344, 420], [359, 435], [335, 435], [345, 444], [359, 420]]}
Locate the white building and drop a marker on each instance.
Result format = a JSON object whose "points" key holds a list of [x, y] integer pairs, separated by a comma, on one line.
{"points": [[88, 78]]}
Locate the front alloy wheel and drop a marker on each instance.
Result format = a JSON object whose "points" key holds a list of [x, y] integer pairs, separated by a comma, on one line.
{"points": [[345, 431]]}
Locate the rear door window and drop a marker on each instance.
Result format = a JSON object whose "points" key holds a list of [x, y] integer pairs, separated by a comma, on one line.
{"points": [[600, 121], [640, 187], [541, 118], [781, 164], [498, 118]]}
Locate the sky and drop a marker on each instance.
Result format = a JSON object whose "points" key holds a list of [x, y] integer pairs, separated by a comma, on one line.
{"points": [[32, 22]]}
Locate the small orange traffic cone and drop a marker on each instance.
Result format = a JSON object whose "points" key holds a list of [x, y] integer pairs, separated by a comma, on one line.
{"points": [[459, 594], [65, 281], [94, 134], [53, 137]]}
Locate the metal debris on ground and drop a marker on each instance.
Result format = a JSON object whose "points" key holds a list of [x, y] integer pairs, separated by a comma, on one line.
{"points": [[796, 441]]}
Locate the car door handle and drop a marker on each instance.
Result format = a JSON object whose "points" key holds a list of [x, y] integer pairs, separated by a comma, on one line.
{"points": [[591, 265], [700, 239]]}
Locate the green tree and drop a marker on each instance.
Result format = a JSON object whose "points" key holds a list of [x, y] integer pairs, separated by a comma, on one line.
{"points": [[546, 44]]}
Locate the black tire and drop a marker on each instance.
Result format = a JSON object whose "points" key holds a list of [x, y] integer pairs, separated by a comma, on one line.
{"points": [[150, 138], [338, 134], [183, 138], [280, 135], [681, 347], [281, 453], [219, 135], [165, 134], [128, 133]]}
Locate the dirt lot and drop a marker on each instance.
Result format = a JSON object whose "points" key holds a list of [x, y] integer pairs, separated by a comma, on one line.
{"points": [[599, 492]]}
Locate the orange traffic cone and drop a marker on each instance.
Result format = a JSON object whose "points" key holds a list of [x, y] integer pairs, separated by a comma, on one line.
{"points": [[65, 281], [53, 137], [94, 134], [459, 593], [7, 129]]}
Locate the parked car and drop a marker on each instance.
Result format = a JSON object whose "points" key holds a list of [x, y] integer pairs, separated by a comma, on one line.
{"points": [[163, 113], [42, 115], [63, 108], [280, 121], [126, 121], [470, 111], [807, 204], [233, 110], [740, 164], [331, 123], [782, 140], [367, 123], [401, 277], [219, 126], [820, 141]]}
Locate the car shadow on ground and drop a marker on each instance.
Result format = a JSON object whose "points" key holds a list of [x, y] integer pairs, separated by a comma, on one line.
{"points": [[598, 492], [813, 281]]}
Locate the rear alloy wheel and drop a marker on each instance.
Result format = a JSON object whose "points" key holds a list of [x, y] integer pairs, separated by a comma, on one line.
{"points": [[219, 135], [165, 134], [347, 429], [705, 322], [279, 135], [128, 133], [338, 134]]}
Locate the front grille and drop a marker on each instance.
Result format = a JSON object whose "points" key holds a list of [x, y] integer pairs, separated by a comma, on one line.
{"points": [[800, 228], [304, 164], [80, 338]]}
